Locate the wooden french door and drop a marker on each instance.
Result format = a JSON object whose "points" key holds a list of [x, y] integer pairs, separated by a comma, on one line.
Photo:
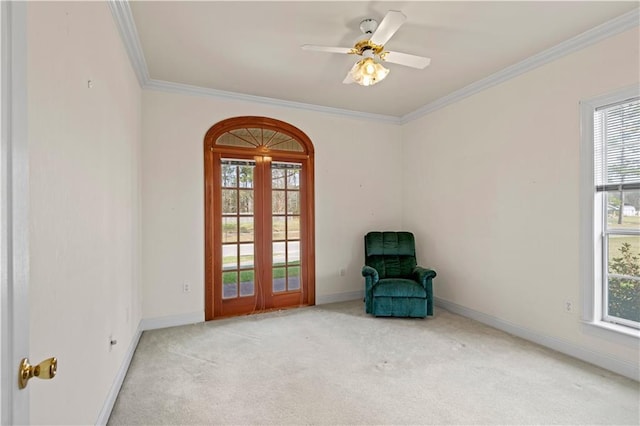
{"points": [[259, 217]]}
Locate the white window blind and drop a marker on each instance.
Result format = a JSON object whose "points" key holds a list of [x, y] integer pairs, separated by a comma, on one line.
{"points": [[617, 146]]}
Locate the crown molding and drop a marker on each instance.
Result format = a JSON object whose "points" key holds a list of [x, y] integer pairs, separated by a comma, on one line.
{"points": [[128, 32], [615, 26], [127, 28], [167, 86]]}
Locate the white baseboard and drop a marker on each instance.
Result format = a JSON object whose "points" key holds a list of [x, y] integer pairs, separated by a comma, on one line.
{"points": [[172, 320], [145, 324], [339, 297], [621, 367], [627, 369], [103, 417]]}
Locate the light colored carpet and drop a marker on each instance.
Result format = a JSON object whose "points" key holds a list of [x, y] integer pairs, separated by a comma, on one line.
{"points": [[333, 364]]}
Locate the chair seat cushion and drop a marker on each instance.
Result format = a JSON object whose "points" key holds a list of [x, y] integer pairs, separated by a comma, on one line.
{"points": [[398, 287]]}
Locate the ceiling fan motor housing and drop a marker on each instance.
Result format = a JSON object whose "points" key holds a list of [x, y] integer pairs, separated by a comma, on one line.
{"points": [[370, 47], [368, 26], [363, 46]]}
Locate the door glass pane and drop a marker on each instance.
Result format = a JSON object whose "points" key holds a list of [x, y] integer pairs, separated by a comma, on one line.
{"points": [[279, 253], [230, 284], [247, 284], [278, 202], [246, 228], [229, 176], [293, 202], [245, 176], [277, 178], [246, 256], [229, 229], [279, 279], [278, 230], [229, 201], [293, 227], [246, 201], [293, 252], [293, 277], [229, 256], [293, 178]]}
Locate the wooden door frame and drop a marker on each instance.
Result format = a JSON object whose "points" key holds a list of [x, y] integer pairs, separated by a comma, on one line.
{"points": [[210, 182]]}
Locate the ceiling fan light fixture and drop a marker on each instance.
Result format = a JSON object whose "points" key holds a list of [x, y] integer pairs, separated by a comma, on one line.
{"points": [[368, 72]]}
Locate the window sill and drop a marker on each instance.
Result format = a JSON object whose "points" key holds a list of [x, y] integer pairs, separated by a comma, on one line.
{"points": [[616, 328]]}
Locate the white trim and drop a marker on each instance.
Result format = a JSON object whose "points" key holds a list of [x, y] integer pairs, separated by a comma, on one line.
{"points": [[609, 363], [126, 25], [105, 412], [616, 328], [610, 28], [145, 324], [128, 32], [591, 297], [14, 299], [586, 249], [171, 320], [186, 89], [340, 297], [627, 369]]}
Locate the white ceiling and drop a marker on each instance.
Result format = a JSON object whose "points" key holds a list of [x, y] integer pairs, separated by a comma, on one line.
{"points": [[253, 48]]}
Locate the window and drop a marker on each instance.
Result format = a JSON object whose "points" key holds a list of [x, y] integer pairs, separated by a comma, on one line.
{"points": [[611, 199]]}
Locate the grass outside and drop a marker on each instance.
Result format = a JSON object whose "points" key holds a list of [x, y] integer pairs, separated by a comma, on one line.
{"points": [[279, 271], [628, 222]]}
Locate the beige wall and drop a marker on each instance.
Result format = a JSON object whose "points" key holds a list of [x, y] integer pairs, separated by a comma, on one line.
{"points": [[84, 158], [357, 179], [489, 185], [491, 189]]}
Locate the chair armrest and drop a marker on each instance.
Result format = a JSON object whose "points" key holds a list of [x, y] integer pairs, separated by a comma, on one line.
{"points": [[369, 272], [371, 278], [422, 275], [425, 277]]}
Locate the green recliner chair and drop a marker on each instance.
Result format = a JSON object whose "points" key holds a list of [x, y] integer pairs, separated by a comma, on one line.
{"points": [[394, 285]]}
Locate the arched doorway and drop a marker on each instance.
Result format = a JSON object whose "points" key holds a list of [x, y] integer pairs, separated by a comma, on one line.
{"points": [[259, 217]]}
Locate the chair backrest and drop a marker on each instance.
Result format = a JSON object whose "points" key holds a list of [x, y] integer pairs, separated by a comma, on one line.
{"points": [[392, 254]]}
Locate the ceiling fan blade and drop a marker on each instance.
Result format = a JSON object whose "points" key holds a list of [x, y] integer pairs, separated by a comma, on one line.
{"points": [[326, 48], [406, 59], [388, 27]]}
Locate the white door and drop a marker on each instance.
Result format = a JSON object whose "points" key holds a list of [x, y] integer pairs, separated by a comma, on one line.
{"points": [[14, 266]]}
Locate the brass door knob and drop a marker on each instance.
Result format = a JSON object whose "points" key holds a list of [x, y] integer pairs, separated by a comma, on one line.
{"points": [[45, 370]]}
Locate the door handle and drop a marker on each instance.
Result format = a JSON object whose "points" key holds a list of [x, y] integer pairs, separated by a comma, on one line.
{"points": [[45, 370]]}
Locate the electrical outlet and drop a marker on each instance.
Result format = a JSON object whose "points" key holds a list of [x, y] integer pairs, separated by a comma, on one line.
{"points": [[342, 272], [186, 287], [568, 306]]}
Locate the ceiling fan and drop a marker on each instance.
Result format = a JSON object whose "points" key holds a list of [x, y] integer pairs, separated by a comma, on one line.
{"points": [[368, 71]]}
